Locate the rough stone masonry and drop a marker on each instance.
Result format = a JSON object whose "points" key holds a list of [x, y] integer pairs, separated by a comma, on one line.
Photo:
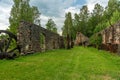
{"points": [[81, 39], [111, 38], [28, 38]]}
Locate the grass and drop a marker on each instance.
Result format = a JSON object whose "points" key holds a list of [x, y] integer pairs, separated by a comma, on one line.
{"points": [[76, 64]]}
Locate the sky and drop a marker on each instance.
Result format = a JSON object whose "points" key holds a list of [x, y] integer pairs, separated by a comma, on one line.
{"points": [[54, 9]]}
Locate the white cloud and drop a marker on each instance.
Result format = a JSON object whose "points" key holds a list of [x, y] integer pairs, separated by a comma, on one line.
{"points": [[91, 3], [59, 20], [4, 16], [54, 9], [73, 10], [60, 23], [44, 20]]}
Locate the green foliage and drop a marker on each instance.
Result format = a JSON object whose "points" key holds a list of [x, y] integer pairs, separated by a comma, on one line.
{"points": [[76, 64], [42, 40], [21, 10], [68, 25], [116, 17], [68, 30], [100, 27], [76, 23], [3, 36], [86, 22], [96, 40], [100, 18], [95, 21], [84, 16], [113, 5], [106, 23], [50, 25]]}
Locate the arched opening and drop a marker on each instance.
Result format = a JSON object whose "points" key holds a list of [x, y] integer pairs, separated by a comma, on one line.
{"points": [[42, 42]]}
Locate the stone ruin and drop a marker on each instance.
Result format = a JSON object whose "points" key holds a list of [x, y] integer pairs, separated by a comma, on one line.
{"points": [[29, 36], [33, 38], [81, 39], [111, 38]]}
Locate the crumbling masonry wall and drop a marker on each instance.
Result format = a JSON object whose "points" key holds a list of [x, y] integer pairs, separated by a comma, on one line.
{"points": [[111, 38], [29, 38], [81, 39]]}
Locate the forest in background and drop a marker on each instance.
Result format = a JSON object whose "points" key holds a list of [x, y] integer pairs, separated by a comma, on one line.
{"points": [[90, 23], [86, 22]]}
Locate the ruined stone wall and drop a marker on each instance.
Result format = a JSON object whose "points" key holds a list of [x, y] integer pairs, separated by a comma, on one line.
{"points": [[111, 38], [111, 34], [29, 38], [80, 39]]}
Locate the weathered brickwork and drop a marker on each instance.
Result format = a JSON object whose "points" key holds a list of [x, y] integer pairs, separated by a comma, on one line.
{"points": [[29, 38], [111, 38]]}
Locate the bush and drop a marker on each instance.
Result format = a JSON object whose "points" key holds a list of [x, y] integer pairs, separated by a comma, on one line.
{"points": [[96, 40]]}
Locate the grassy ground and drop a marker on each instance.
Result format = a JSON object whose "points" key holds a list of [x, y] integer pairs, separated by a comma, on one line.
{"points": [[76, 64]]}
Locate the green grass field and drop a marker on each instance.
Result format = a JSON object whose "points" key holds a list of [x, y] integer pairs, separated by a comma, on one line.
{"points": [[76, 64]]}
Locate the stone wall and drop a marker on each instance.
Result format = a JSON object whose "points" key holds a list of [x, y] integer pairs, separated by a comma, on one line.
{"points": [[81, 39], [111, 38], [28, 38]]}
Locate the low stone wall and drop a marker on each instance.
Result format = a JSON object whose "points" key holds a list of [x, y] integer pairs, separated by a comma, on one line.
{"points": [[28, 38]]}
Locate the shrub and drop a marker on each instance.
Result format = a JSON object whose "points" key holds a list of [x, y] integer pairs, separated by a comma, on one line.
{"points": [[96, 40]]}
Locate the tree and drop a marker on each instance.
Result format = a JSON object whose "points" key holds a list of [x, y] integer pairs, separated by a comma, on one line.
{"points": [[76, 22], [102, 25], [84, 16], [110, 16], [96, 18], [113, 5], [50, 25], [68, 30], [21, 10], [116, 17], [76, 25]]}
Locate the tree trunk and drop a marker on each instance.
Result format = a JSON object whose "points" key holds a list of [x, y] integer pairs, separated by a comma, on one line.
{"points": [[68, 41], [72, 42]]}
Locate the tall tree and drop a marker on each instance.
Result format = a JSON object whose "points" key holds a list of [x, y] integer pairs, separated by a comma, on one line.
{"points": [[21, 10], [116, 17], [113, 5], [110, 15], [50, 25], [96, 17], [68, 30], [84, 16], [76, 22]]}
